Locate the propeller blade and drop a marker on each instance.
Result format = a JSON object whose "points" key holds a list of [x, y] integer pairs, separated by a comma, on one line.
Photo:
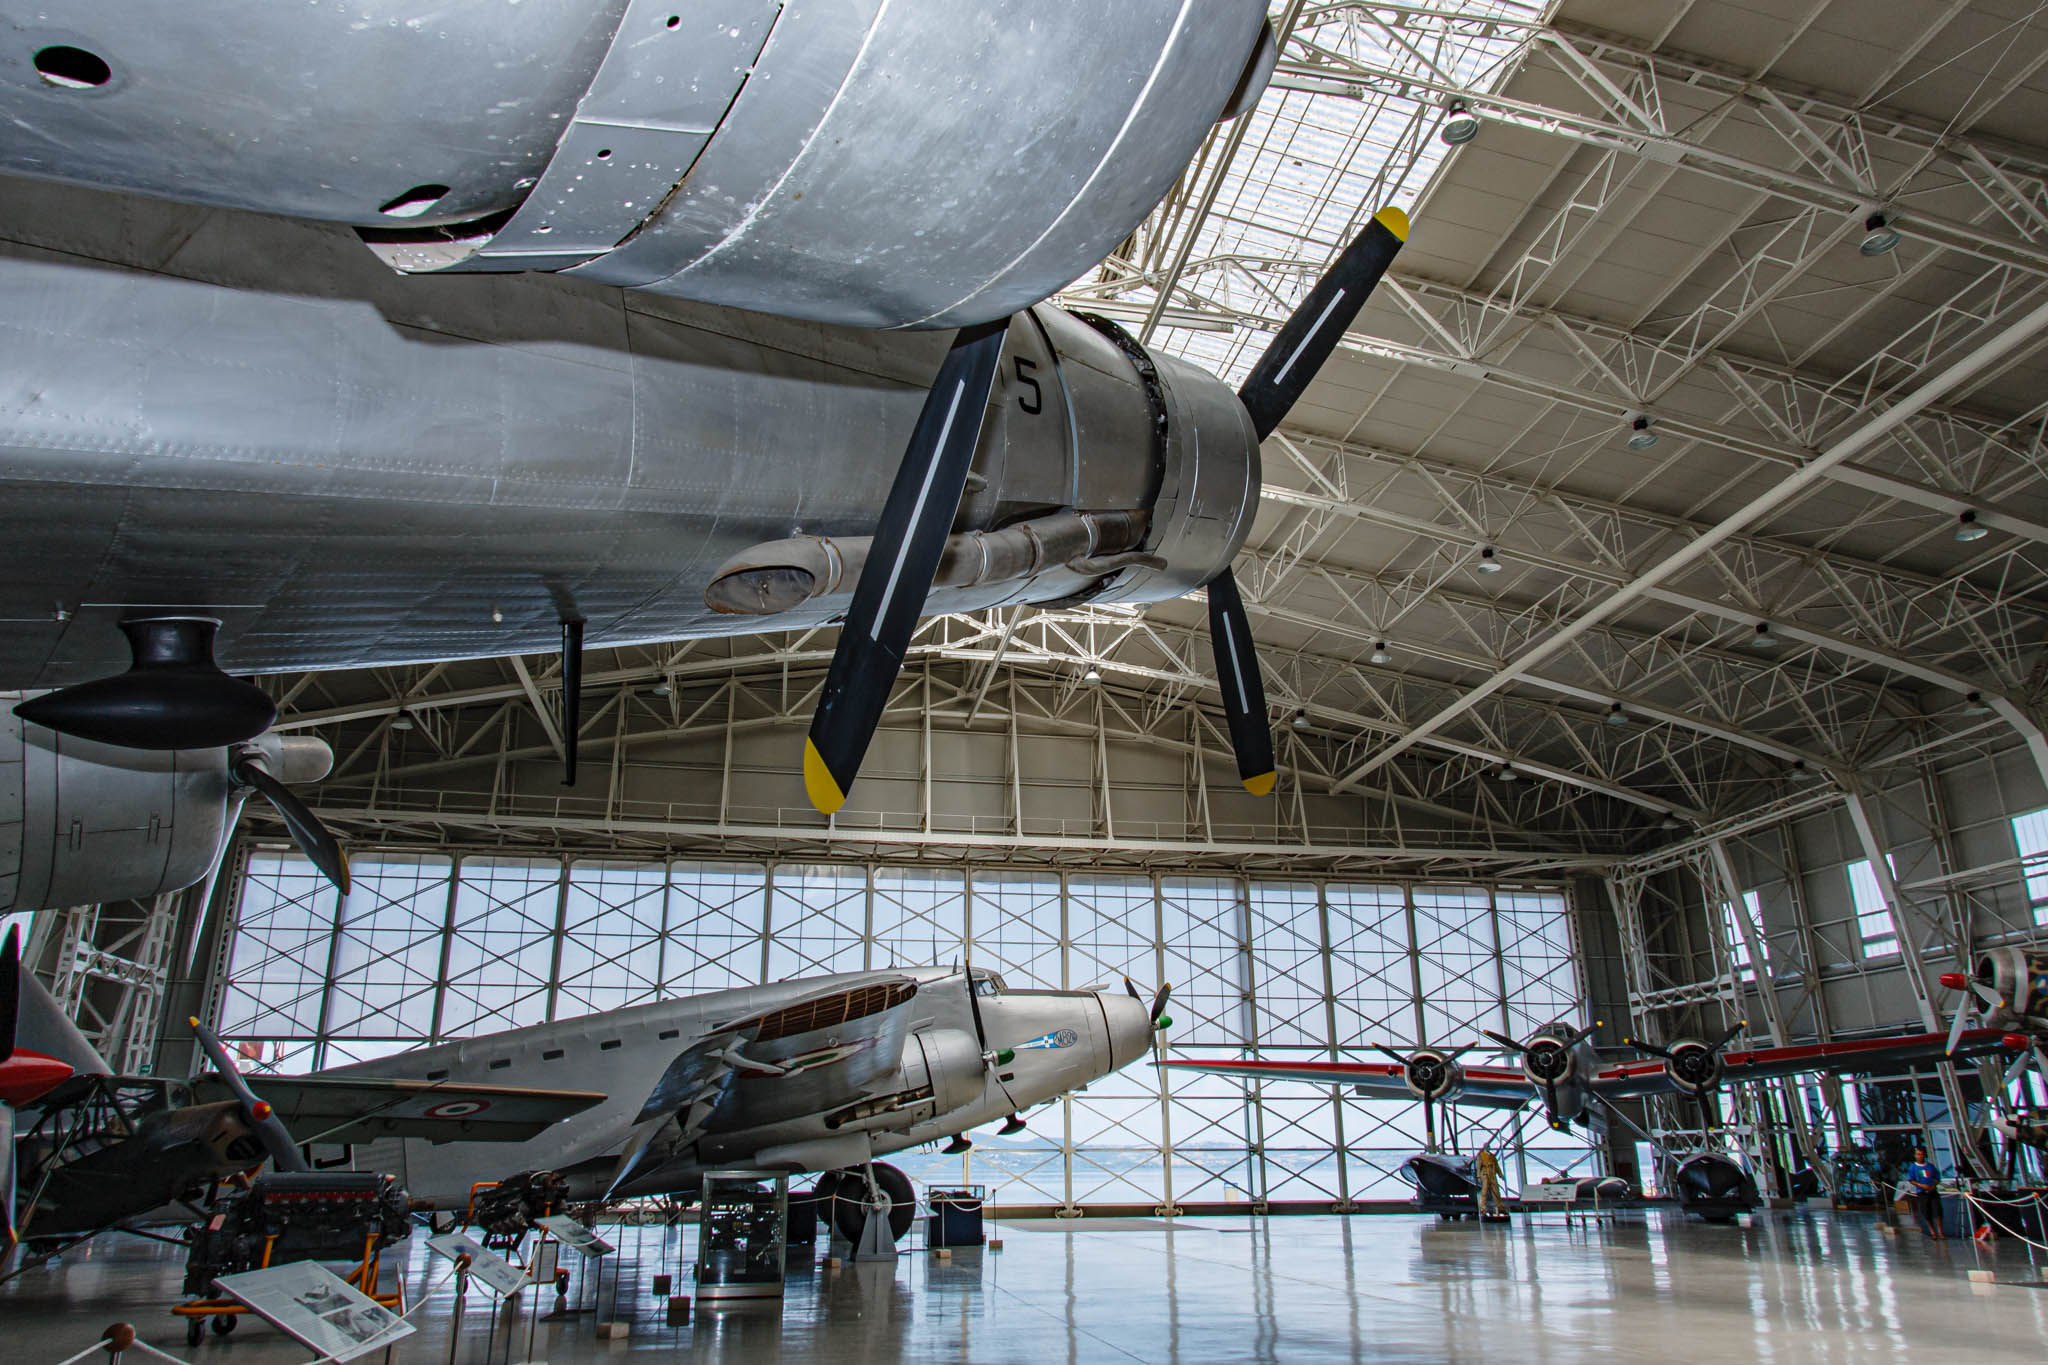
{"points": [[10, 994], [1159, 999], [173, 696], [1390, 1052], [1987, 995], [1726, 1038], [268, 1127], [908, 543], [9, 1235], [1284, 371], [1510, 1044], [572, 696], [1136, 994], [1429, 1125], [314, 839], [1244, 690], [1955, 1032], [1651, 1048]]}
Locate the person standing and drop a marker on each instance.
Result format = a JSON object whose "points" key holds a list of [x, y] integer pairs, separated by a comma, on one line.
{"points": [[1488, 1167], [1926, 1183]]}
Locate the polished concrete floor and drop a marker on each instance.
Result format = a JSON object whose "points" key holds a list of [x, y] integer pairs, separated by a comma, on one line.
{"points": [[1650, 1287]]}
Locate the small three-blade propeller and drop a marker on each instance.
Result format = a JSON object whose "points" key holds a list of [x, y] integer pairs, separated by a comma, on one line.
{"points": [[1429, 1072], [1695, 1067], [911, 536], [1156, 1011], [257, 1114]]}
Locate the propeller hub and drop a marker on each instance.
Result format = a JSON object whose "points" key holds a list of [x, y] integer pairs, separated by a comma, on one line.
{"points": [[1430, 1074], [1547, 1060]]}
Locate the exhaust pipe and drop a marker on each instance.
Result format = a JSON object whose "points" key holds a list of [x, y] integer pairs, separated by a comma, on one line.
{"points": [[781, 574]]}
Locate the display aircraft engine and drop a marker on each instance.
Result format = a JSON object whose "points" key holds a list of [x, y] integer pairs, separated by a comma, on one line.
{"points": [[101, 822], [1694, 1067], [909, 164], [2007, 990], [1557, 1060]]}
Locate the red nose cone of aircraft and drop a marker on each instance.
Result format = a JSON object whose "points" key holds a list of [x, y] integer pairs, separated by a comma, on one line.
{"points": [[2016, 1041], [26, 1075], [261, 1112], [1955, 981]]}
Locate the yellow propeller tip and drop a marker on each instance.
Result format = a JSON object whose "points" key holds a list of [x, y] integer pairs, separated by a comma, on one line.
{"points": [[818, 783], [1394, 221], [192, 1020], [1262, 784]]}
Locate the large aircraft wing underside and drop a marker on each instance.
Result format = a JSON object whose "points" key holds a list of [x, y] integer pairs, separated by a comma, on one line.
{"points": [[1484, 1086], [1855, 1055], [341, 1109]]}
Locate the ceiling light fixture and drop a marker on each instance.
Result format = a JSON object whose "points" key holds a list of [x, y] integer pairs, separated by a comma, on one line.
{"points": [[1968, 528], [1640, 435], [1093, 675], [1489, 562], [1975, 705], [1616, 716], [401, 721], [1670, 822], [662, 689], [1763, 639], [1380, 655], [1507, 773], [1880, 236], [1301, 720], [1460, 124]]}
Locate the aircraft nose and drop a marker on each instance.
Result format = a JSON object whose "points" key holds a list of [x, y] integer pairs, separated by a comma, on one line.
{"points": [[1130, 1030]]}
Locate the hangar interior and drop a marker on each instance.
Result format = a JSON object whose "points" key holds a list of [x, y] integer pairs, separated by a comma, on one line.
{"points": [[1650, 593]]}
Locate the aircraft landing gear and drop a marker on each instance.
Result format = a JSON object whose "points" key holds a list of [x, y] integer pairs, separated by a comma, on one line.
{"points": [[845, 1197]]}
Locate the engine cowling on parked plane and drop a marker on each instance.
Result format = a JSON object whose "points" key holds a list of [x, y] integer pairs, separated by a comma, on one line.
{"points": [[99, 822], [1104, 473]]}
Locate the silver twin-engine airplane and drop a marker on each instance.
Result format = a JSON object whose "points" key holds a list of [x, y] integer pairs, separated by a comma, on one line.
{"points": [[823, 1074], [353, 335]]}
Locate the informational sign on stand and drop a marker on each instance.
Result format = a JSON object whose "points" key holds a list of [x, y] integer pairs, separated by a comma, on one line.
{"points": [[318, 1307], [572, 1233], [1556, 1192], [486, 1267]]}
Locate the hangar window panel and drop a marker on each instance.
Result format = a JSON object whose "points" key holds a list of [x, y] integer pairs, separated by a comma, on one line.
{"points": [[1379, 1135], [1296, 1131], [277, 967], [920, 917], [1210, 1122], [2030, 833], [1015, 922], [1875, 929], [387, 953], [501, 955], [1738, 946], [1202, 930], [1455, 964], [613, 936], [819, 916], [1539, 970], [1372, 976], [1111, 922], [1287, 965], [1118, 1140], [716, 914]]}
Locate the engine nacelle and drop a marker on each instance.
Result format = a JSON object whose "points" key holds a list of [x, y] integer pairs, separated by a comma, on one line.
{"points": [[2020, 981], [1693, 1066], [916, 163], [1548, 1061], [96, 822], [1104, 473], [1430, 1074]]}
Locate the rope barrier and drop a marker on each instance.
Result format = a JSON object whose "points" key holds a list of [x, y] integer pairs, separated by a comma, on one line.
{"points": [[1977, 1203]]}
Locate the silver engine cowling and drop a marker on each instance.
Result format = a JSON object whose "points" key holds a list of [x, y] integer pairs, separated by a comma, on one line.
{"points": [[1694, 1067], [916, 163], [1430, 1074], [1104, 474], [2020, 981], [86, 823]]}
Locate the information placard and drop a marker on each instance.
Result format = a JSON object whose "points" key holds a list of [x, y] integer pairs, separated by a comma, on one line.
{"points": [[318, 1307]]}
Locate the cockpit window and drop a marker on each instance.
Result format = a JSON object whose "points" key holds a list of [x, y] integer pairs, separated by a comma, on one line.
{"points": [[987, 983]]}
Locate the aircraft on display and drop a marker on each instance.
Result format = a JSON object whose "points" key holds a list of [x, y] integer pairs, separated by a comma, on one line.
{"points": [[822, 1074], [1562, 1070], [87, 1150], [483, 390]]}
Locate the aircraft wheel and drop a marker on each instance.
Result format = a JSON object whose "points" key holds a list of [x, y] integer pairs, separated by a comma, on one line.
{"points": [[223, 1323], [195, 1331], [847, 1192]]}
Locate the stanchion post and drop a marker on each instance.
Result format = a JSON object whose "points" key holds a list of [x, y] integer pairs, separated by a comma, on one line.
{"points": [[461, 1295]]}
